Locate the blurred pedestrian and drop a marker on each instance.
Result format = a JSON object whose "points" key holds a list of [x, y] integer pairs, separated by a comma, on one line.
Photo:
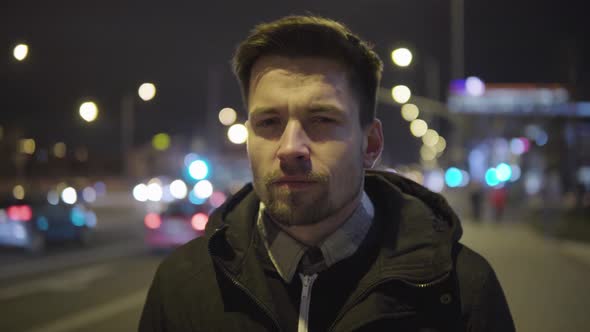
{"points": [[498, 198], [317, 242], [476, 197]]}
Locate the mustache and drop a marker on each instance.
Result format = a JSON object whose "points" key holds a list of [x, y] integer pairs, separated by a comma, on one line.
{"points": [[311, 176]]}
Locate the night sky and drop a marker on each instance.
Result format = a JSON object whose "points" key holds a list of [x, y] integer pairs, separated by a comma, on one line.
{"points": [[105, 49]]}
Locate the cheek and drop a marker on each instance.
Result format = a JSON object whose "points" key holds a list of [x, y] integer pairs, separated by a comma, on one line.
{"points": [[340, 159], [260, 153]]}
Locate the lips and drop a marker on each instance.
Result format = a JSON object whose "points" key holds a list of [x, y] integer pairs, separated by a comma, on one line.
{"points": [[292, 182]]}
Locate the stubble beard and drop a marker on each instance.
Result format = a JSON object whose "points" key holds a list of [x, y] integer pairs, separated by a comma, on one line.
{"points": [[291, 208], [298, 208]]}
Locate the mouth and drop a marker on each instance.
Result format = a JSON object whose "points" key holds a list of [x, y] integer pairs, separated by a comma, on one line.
{"points": [[293, 184]]}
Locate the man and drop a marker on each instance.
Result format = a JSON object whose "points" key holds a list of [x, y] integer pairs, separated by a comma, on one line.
{"points": [[318, 243]]}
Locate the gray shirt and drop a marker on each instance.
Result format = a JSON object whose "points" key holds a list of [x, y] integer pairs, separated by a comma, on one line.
{"points": [[286, 253]]}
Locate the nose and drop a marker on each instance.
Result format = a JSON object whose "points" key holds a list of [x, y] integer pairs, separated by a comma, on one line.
{"points": [[294, 147]]}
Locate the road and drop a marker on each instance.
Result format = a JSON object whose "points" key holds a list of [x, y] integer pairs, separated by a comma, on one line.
{"points": [[102, 288]]}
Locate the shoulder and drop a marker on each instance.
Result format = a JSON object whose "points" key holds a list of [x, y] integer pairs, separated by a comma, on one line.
{"points": [[467, 261], [483, 303], [476, 277], [184, 265]]}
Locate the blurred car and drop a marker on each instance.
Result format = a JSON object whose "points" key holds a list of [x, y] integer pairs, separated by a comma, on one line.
{"points": [[180, 222], [33, 223]]}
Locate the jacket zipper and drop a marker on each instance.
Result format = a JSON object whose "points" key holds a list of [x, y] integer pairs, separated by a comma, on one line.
{"points": [[380, 282], [236, 283], [306, 285]]}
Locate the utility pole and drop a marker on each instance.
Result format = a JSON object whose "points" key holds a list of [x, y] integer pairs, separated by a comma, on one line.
{"points": [[457, 39], [127, 132], [458, 72]]}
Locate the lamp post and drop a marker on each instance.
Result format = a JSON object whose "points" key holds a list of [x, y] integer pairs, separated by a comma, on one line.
{"points": [[146, 92]]}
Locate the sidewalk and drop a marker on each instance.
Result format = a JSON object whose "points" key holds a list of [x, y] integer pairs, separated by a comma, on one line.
{"points": [[578, 250], [544, 279]]}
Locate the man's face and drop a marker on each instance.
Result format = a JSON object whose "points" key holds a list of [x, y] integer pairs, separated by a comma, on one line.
{"points": [[305, 142]]}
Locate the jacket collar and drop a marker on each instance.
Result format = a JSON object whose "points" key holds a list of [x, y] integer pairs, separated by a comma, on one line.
{"points": [[419, 229]]}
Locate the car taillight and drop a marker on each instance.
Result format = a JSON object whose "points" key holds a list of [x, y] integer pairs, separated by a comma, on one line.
{"points": [[199, 221], [152, 221], [19, 212]]}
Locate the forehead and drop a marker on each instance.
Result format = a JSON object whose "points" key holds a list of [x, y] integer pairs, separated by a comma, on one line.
{"points": [[316, 77]]}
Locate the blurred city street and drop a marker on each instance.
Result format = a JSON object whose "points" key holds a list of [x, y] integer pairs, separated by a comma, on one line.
{"points": [[103, 287], [124, 125]]}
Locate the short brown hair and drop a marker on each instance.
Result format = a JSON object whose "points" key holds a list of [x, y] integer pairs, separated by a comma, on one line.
{"points": [[301, 36]]}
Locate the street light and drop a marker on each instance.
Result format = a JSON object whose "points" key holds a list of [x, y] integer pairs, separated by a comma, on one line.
{"points": [[237, 134], [227, 116], [147, 91], [410, 112], [401, 57], [88, 111], [418, 127], [401, 93], [20, 52]]}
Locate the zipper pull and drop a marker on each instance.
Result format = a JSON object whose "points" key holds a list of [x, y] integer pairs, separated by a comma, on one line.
{"points": [[305, 289]]}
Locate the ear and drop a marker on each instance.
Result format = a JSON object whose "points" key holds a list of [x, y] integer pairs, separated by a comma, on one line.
{"points": [[372, 143]]}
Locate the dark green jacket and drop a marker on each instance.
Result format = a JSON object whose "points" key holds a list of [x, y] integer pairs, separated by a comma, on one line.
{"points": [[421, 280]]}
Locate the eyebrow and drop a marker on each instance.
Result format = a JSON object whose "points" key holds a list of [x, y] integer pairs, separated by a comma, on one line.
{"points": [[325, 108], [263, 110], [312, 109]]}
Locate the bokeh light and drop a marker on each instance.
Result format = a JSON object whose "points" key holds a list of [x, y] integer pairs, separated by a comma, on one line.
{"points": [[237, 133], [516, 171], [491, 177], [430, 138], [89, 194], [401, 56], [78, 217], [59, 150], [440, 145], [161, 141], [203, 189], [42, 223], [474, 86], [517, 146], [401, 94], [198, 169], [91, 219], [503, 172], [154, 192], [53, 197], [69, 195], [418, 127], [199, 221], [453, 177], [152, 220], [147, 91], [88, 111], [178, 189], [434, 180], [140, 192], [227, 116], [410, 112], [20, 51], [427, 153], [18, 192], [27, 145]]}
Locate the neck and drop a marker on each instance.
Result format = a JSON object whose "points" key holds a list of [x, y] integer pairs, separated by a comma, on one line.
{"points": [[314, 234]]}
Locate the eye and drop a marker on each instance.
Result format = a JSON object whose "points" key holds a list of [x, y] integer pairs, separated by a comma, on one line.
{"points": [[323, 119], [268, 122]]}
